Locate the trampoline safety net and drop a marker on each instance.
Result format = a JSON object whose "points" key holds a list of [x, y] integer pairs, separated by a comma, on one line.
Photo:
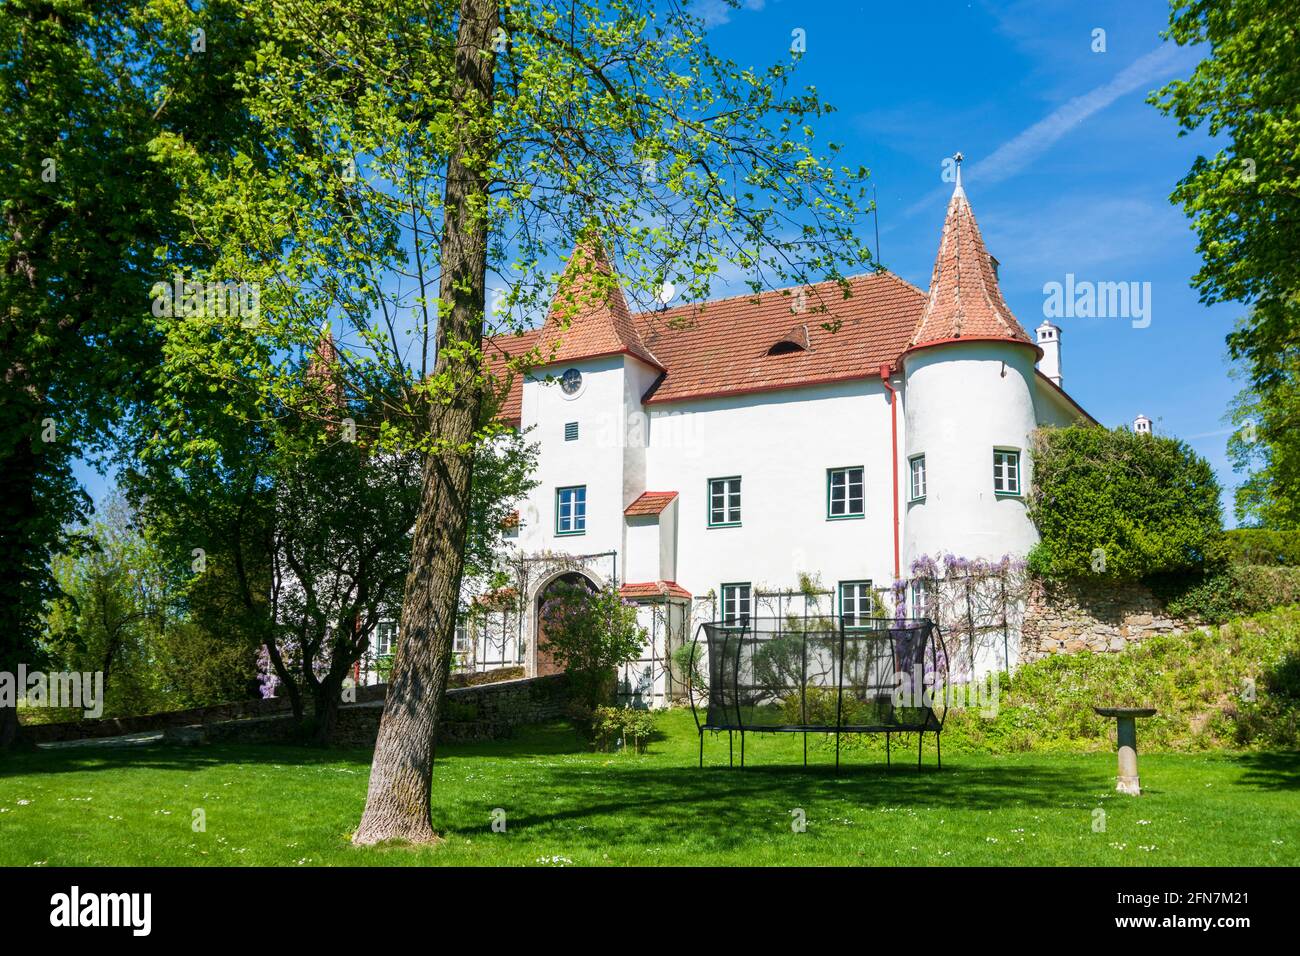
{"points": [[785, 675]]}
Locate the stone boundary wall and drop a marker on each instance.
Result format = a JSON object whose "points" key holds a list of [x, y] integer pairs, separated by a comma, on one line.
{"points": [[1064, 617], [215, 713], [481, 712]]}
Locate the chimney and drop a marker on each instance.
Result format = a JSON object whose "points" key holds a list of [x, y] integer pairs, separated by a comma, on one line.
{"points": [[1049, 340], [1141, 425]]}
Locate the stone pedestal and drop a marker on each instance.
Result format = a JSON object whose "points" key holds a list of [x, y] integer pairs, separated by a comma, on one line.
{"points": [[1126, 781]]}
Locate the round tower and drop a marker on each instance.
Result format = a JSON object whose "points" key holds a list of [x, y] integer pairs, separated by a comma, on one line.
{"points": [[969, 385]]}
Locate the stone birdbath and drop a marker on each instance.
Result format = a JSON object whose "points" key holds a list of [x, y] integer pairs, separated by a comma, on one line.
{"points": [[1126, 725]]}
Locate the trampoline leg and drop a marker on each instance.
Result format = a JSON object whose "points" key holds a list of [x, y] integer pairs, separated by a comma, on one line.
{"points": [[701, 746], [888, 762], [731, 750], [837, 751], [805, 748], [742, 748], [920, 739], [938, 746]]}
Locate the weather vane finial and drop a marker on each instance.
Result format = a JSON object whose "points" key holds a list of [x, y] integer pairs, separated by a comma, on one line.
{"points": [[957, 159]]}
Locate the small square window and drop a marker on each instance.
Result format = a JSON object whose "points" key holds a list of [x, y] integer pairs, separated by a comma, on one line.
{"points": [[571, 431], [1006, 472], [724, 502], [735, 605], [845, 493], [571, 510], [918, 477]]}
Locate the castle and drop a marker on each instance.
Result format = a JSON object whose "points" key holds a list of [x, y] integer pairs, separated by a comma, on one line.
{"points": [[709, 460]]}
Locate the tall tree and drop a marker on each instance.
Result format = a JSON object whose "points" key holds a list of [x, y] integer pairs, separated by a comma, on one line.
{"points": [[84, 89], [1244, 202], [423, 156]]}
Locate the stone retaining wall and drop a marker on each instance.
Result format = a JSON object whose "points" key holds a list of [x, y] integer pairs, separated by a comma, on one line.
{"points": [[218, 713], [1071, 616], [482, 712]]}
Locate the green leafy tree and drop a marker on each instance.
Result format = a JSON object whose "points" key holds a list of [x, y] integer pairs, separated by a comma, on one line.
{"points": [[416, 155], [111, 605], [1244, 201], [85, 211], [1115, 504]]}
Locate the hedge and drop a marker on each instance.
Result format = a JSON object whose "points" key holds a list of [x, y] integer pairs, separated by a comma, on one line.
{"points": [[1234, 591], [1117, 505], [1259, 547]]}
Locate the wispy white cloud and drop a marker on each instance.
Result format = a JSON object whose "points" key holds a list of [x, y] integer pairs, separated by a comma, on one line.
{"points": [[715, 13], [1021, 150]]}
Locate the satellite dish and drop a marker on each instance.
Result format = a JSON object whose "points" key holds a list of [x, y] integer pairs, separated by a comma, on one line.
{"points": [[666, 293]]}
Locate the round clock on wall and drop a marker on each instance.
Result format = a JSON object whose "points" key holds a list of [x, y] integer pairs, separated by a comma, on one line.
{"points": [[571, 381]]}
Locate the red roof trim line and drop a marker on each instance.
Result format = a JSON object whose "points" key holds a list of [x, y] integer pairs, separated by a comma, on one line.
{"points": [[595, 355], [649, 397], [969, 338], [654, 589], [650, 503]]}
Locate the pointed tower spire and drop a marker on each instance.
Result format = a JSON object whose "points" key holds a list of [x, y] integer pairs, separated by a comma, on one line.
{"points": [[589, 315], [965, 301], [323, 370]]}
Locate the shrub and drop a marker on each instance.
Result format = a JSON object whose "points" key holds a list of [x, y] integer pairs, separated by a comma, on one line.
{"points": [[688, 665], [1125, 506], [590, 633], [610, 725]]}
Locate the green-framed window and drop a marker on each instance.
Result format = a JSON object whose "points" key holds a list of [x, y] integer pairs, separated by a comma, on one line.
{"points": [[735, 608], [385, 638], [724, 502], [571, 510], [918, 598], [1006, 471], [916, 470], [846, 492], [857, 603]]}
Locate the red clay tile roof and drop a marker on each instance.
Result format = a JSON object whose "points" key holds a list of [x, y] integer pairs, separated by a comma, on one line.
{"points": [[497, 350], [721, 347], [589, 298], [652, 589], [965, 301], [650, 503]]}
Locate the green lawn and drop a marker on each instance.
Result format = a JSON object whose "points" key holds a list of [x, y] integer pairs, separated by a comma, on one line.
{"points": [[294, 806]]}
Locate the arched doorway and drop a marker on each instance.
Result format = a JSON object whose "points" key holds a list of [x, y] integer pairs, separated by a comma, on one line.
{"points": [[543, 663]]}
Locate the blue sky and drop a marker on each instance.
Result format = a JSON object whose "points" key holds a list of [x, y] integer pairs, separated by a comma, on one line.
{"points": [[1067, 168]]}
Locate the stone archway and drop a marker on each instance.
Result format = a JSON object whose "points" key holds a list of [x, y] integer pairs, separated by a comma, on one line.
{"points": [[543, 663]]}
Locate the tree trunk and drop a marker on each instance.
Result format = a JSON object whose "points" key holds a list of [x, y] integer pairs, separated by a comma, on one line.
{"points": [[20, 550], [326, 715], [398, 801]]}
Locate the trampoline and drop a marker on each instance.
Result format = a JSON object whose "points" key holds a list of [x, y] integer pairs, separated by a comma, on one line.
{"points": [[773, 675]]}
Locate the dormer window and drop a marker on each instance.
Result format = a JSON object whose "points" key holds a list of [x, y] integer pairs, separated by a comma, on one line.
{"points": [[795, 340], [785, 347]]}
